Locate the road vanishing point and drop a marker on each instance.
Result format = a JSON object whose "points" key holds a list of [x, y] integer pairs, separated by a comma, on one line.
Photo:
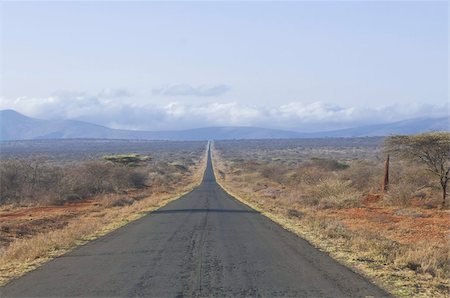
{"points": [[204, 244]]}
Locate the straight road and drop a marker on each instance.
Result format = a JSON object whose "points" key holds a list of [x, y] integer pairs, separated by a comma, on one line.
{"points": [[204, 244]]}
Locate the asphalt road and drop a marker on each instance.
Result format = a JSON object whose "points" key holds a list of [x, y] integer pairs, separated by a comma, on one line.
{"points": [[204, 244]]}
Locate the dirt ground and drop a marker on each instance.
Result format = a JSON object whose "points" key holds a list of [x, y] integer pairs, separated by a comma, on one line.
{"points": [[404, 225], [22, 222]]}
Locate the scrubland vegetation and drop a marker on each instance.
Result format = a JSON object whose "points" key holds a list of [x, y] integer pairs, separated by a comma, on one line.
{"points": [[48, 205], [329, 192]]}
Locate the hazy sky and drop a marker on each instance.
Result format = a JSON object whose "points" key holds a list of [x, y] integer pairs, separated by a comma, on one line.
{"points": [[170, 65]]}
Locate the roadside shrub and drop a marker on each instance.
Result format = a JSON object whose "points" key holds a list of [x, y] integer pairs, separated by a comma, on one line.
{"points": [[332, 192], [11, 178], [137, 179], [71, 197], [364, 175], [121, 202], [409, 182], [425, 258], [294, 213], [28, 180], [91, 178], [37, 181], [328, 228]]}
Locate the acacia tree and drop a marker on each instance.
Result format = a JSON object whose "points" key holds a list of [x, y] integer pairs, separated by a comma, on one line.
{"points": [[130, 160], [430, 149]]}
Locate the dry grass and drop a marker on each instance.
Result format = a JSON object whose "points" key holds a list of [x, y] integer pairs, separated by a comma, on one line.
{"points": [[329, 193], [89, 219], [400, 243]]}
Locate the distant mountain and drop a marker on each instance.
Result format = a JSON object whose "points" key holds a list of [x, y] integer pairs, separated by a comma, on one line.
{"points": [[405, 127], [15, 126]]}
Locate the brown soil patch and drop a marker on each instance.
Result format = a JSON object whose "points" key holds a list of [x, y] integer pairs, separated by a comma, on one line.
{"points": [[406, 226], [44, 211], [26, 222], [371, 198]]}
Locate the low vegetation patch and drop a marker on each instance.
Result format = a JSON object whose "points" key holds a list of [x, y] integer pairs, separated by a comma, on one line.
{"points": [[130, 160]]}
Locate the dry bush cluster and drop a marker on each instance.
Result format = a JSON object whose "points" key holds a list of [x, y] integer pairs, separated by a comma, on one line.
{"points": [[409, 182], [325, 182], [24, 181], [331, 192]]}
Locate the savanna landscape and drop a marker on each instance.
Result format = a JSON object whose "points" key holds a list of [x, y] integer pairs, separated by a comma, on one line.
{"points": [[330, 192], [224, 149]]}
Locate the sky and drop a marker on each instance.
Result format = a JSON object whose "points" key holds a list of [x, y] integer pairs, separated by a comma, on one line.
{"points": [[302, 66]]}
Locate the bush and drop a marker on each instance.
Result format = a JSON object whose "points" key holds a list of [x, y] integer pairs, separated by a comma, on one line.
{"points": [[309, 175], [91, 178], [130, 160], [273, 172], [294, 213], [425, 258], [180, 167], [11, 178], [364, 176], [27, 180], [36, 181], [409, 182], [399, 195], [329, 164], [137, 179], [332, 193], [72, 197], [121, 202]]}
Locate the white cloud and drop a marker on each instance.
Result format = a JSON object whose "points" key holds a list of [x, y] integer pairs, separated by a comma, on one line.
{"points": [[215, 113], [114, 93], [315, 111], [118, 109], [188, 90]]}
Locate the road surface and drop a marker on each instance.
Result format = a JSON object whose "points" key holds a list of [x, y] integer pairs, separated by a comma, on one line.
{"points": [[204, 244]]}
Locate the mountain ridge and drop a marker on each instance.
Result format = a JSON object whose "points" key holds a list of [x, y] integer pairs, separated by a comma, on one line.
{"points": [[16, 126]]}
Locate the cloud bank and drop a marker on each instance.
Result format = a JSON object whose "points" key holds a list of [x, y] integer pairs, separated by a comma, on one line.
{"points": [[118, 109], [188, 90]]}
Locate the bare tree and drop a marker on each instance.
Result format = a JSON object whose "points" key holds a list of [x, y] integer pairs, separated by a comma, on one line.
{"points": [[431, 149]]}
